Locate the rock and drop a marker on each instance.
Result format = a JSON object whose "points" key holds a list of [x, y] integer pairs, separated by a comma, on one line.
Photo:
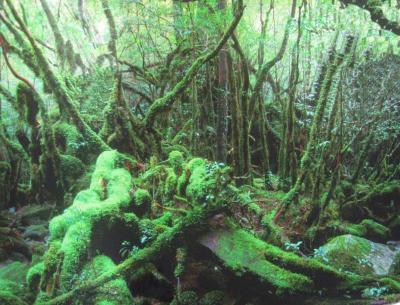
{"points": [[35, 214], [357, 255]]}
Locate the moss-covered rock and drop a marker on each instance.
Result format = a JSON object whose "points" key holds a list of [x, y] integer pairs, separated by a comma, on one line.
{"points": [[186, 298], [215, 297], [284, 272], [357, 255]]}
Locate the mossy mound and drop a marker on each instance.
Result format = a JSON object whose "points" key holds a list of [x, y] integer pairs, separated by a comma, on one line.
{"points": [[12, 284], [11, 293], [357, 255], [72, 233], [284, 272], [114, 292]]}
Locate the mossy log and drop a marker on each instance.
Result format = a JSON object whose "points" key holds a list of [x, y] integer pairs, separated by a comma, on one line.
{"points": [[77, 267]]}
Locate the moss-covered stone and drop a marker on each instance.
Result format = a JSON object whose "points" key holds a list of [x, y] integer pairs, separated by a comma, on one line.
{"points": [[357, 255], [186, 298], [215, 297]]}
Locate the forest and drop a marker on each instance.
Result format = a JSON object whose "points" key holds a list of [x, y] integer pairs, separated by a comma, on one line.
{"points": [[199, 152]]}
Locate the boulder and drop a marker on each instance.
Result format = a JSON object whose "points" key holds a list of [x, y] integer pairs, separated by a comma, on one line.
{"points": [[357, 255]]}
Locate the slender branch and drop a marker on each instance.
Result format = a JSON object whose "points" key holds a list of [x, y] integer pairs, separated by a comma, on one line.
{"points": [[165, 103], [376, 12]]}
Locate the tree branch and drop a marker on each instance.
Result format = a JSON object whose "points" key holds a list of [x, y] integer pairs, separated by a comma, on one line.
{"points": [[377, 15], [165, 103]]}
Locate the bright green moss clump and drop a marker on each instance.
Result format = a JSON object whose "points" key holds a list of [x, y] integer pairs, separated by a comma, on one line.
{"points": [[199, 185], [115, 292], [186, 298], [242, 252], [348, 252], [175, 159], [71, 232], [34, 275], [10, 293]]}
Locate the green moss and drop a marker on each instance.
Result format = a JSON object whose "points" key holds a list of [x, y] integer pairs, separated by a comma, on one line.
{"points": [[395, 267], [200, 184], [170, 183], [72, 168], [182, 183], [11, 293], [392, 284], [74, 227], [27, 104], [242, 252], [34, 275], [368, 228], [142, 202], [68, 138], [14, 272], [350, 253], [75, 249], [115, 292], [186, 298], [175, 159], [374, 230], [142, 197], [215, 297]]}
